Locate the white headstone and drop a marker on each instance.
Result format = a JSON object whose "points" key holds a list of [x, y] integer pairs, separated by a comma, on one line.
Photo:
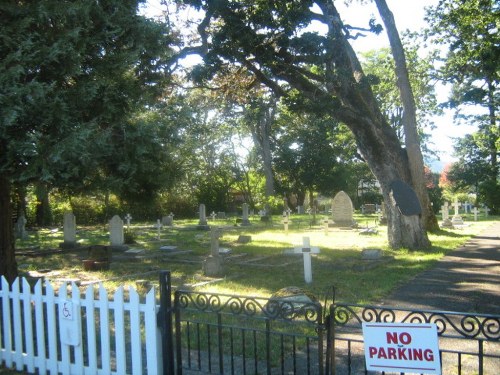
{"points": [[116, 237], [244, 220], [69, 228], [326, 223], [475, 212], [285, 222], [127, 218], [342, 209], [20, 227]]}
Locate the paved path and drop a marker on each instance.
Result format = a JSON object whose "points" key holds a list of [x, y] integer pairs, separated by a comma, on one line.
{"points": [[466, 280]]}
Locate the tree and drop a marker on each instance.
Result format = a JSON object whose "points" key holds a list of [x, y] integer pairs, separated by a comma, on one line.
{"points": [[68, 73], [270, 40], [412, 140], [472, 64]]}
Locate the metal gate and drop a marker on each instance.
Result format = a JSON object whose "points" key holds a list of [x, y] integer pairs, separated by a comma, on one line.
{"points": [[230, 334]]}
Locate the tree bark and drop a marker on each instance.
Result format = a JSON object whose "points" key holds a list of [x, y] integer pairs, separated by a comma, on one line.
{"points": [[8, 265], [412, 141]]}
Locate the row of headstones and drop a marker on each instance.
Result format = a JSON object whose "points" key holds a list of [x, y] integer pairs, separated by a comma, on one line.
{"points": [[457, 219]]}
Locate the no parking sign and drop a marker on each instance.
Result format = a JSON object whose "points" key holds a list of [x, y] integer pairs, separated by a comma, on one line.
{"points": [[400, 347]]}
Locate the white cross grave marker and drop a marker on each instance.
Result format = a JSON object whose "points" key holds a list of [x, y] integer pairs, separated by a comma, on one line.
{"points": [[326, 222], [158, 227], [285, 223], [306, 250], [128, 217], [213, 215]]}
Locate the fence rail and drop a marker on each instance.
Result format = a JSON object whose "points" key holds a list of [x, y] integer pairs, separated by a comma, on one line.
{"points": [[72, 333]]}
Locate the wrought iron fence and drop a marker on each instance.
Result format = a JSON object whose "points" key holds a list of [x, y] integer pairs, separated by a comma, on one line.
{"points": [[219, 333], [469, 343]]}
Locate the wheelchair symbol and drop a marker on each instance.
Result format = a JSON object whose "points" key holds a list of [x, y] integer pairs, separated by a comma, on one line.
{"points": [[66, 311]]}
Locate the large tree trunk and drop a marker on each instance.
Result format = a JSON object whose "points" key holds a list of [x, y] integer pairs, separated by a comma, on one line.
{"points": [[412, 141], [43, 215], [8, 265], [261, 133]]}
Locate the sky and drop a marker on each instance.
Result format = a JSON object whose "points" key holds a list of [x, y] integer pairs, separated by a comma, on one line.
{"points": [[409, 15]]}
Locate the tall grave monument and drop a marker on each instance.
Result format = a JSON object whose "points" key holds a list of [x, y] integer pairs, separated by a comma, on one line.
{"points": [[342, 210]]}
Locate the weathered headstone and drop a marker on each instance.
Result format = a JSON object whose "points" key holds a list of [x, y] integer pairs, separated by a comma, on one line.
{"points": [[168, 220], [342, 210], [475, 211], [212, 265], [326, 224], [20, 227], [116, 236], [221, 215], [446, 216], [202, 223], [300, 210], [457, 219], [158, 227], [69, 228], [213, 215], [244, 220], [486, 211], [369, 208]]}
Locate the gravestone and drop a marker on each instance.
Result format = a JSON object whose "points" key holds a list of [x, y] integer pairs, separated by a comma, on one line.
{"points": [[244, 220], [475, 211], [127, 218], [213, 215], [326, 224], [69, 228], [369, 208], [446, 216], [342, 210], [212, 265], [168, 220], [371, 254], [221, 215], [202, 223], [306, 250], [158, 227], [486, 211], [20, 228], [285, 222], [300, 210], [457, 219], [116, 236]]}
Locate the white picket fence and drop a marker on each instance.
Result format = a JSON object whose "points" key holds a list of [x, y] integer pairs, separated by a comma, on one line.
{"points": [[70, 333]]}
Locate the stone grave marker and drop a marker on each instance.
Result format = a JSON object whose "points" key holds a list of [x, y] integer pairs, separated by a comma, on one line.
{"points": [[127, 218], [158, 227], [212, 265], [285, 223], [457, 219], [306, 250], [475, 211], [213, 215], [20, 227], [221, 215], [116, 237], [69, 228], [244, 220], [168, 220], [326, 224], [369, 208], [446, 216], [342, 210], [486, 211], [300, 210], [202, 223]]}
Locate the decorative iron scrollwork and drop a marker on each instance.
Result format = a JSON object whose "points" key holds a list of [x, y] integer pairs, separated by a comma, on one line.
{"points": [[249, 306], [466, 325]]}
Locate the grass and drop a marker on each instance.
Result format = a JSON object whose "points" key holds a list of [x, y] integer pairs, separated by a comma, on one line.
{"points": [[339, 264]]}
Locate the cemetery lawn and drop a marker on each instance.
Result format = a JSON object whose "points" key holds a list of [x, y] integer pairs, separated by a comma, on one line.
{"points": [[257, 268]]}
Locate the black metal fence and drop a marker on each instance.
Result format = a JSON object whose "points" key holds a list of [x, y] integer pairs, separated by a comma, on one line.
{"points": [[468, 343], [229, 334]]}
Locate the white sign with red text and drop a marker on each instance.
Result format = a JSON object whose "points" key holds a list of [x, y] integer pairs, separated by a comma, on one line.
{"points": [[402, 347]]}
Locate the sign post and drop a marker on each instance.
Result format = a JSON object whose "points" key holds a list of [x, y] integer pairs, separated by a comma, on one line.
{"points": [[402, 347]]}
